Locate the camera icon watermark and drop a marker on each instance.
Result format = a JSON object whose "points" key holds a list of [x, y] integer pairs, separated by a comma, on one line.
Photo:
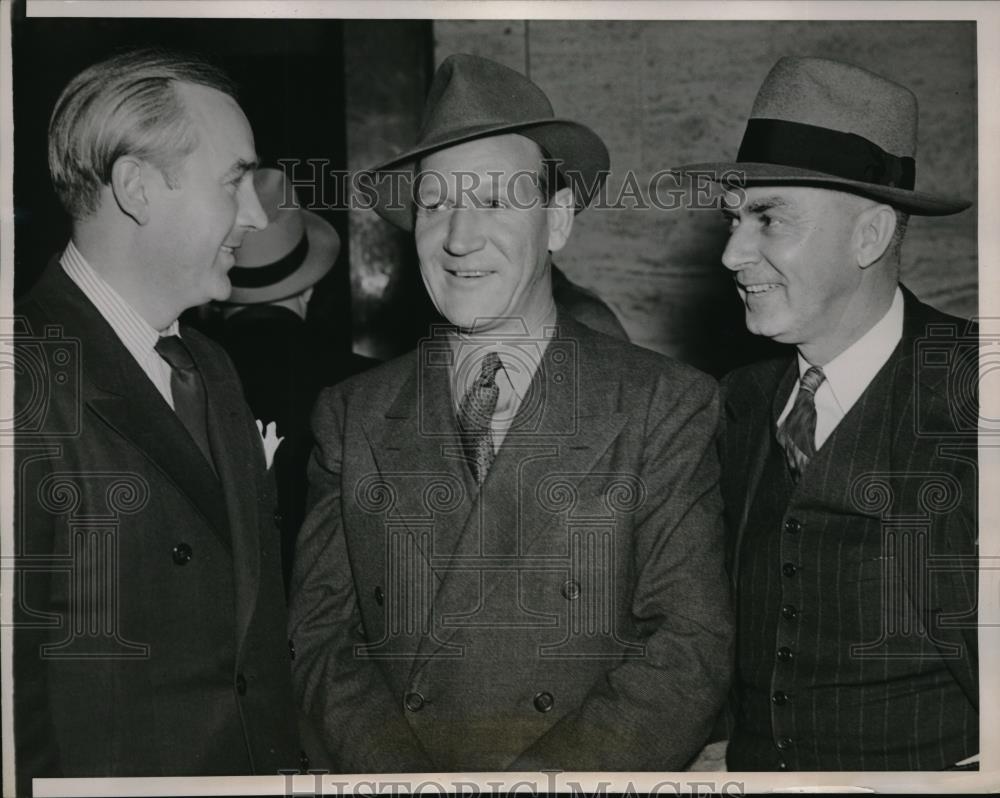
{"points": [[540, 371], [954, 358], [46, 366]]}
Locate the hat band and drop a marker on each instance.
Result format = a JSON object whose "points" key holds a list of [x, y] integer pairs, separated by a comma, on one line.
{"points": [[260, 276], [846, 155]]}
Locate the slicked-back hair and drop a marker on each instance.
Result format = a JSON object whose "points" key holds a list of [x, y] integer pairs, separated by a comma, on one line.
{"points": [[125, 105]]}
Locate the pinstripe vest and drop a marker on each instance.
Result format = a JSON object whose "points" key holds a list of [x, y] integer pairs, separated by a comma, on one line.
{"points": [[837, 668]]}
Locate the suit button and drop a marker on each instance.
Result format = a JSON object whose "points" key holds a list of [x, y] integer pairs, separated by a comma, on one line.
{"points": [[182, 554], [782, 765], [784, 743], [789, 613], [544, 702], [785, 654], [789, 569], [413, 702], [780, 698], [278, 517], [793, 526], [379, 596], [291, 648], [241, 684], [303, 762], [571, 590]]}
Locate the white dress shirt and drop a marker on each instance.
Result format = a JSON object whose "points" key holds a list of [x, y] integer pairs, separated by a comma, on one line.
{"points": [[520, 356], [850, 372], [133, 330]]}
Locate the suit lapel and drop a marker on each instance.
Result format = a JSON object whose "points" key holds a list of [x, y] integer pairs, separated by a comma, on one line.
{"points": [[118, 391], [418, 453], [237, 453], [759, 414], [925, 392]]}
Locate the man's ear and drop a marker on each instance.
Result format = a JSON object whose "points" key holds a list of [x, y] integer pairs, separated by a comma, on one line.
{"points": [[129, 188], [873, 233], [561, 213]]}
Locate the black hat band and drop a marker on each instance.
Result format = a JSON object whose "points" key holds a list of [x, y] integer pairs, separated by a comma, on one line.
{"points": [[260, 276], [845, 155]]}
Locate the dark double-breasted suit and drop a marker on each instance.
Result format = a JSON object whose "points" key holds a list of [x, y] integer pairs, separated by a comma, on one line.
{"points": [[856, 587], [572, 613], [150, 618]]}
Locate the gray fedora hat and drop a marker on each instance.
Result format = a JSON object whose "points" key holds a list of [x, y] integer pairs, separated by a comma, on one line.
{"points": [[826, 123], [472, 97]]}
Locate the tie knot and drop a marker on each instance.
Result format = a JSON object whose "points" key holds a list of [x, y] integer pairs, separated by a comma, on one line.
{"points": [[491, 365], [812, 379], [172, 349]]}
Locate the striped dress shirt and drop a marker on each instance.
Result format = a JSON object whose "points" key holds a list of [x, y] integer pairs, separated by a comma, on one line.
{"points": [[135, 333]]}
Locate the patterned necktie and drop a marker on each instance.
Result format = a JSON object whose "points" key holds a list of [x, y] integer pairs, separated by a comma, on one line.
{"points": [[475, 416], [797, 435], [187, 390]]}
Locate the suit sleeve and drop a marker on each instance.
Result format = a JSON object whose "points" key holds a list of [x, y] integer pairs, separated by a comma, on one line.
{"points": [[345, 697], [37, 752], [655, 711]]}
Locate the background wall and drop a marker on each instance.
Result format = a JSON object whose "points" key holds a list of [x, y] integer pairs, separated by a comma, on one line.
{"points": [[348, 94], [667, 93]]}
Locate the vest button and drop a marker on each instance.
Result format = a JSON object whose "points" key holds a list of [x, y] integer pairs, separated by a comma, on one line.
{"points": [[571, 590], [544, 702], [793, 526], [780, 698], [182, 554], [291, 648], [784, 743], [379, 596], [241, 684], [278, 517], [785, 654], [789, 569], [413, 701], [789, 613]]}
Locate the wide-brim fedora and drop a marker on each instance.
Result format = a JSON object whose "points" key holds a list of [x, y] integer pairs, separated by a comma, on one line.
{"points": [[288, 256], [472, 97], [818, 122]]}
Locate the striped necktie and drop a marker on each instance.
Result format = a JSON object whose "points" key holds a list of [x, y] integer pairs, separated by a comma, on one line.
{"points": [[797, 435], [475, 417]]}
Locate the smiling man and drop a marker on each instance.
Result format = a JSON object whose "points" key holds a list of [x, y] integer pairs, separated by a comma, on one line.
{"points": [[149, 615], [849, 466], [513, 554]]}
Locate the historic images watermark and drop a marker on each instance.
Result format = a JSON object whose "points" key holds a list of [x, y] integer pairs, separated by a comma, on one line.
{"points": [[319, 186], [548, 782]]}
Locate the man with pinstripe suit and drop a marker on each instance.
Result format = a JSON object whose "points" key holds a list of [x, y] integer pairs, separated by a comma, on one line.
{"points": [[849, 466]]}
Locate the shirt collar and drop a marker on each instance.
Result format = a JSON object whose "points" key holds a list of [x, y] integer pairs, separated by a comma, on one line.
{"points": [[850, 372], [520, 357], [125, 319]]}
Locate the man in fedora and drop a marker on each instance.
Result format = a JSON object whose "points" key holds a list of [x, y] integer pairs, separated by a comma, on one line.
{"points": [[149, 635], [282, 360], [849, 465], [512, 557]]}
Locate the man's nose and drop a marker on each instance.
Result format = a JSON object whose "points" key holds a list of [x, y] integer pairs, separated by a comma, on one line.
{"points": [[464, 232], [741, 249], [249, 213]]}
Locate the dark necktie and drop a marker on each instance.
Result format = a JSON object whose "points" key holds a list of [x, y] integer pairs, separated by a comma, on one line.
{"points": [[797, 435], [475, 416], [188, 391]]}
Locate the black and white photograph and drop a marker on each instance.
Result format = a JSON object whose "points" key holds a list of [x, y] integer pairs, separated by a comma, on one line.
{"points": [[498, 398]]}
